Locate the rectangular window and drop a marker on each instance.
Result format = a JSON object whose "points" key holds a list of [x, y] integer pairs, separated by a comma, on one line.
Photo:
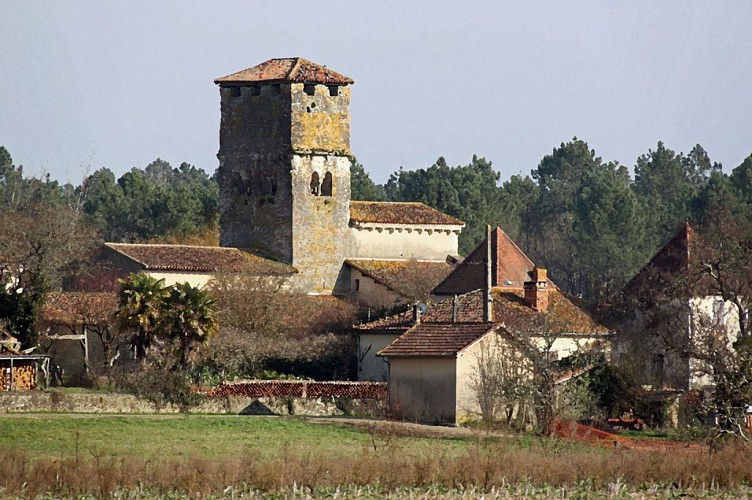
{"points": [[357, 285]]}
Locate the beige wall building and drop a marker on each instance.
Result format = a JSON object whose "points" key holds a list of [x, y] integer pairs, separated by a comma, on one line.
{"points": [[432, 366]]}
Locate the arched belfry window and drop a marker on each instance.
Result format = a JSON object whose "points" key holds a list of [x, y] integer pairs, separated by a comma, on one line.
{"points": [[315, 184], [326, 186]]}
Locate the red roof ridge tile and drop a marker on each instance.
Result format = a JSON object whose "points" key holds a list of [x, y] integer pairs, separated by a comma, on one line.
{"points": [[285, 69]]}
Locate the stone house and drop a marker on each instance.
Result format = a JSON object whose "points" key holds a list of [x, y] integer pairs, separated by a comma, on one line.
{"points": [[665, 308], [431, 356]]}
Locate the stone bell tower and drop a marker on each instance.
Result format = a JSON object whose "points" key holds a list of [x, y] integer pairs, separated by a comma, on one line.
{"points": [[284, 166]]}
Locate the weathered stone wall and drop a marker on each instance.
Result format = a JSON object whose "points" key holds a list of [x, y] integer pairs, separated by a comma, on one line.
{"points": [[38, 401], [273, 138], [321, 236], [320, 121], [254, 169]]}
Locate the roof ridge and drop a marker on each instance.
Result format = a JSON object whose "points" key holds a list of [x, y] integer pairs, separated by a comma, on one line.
{"points": [[213, 247], [393, 203], [294, 68]]}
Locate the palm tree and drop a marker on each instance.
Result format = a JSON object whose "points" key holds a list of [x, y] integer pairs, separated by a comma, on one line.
{"points": [[141, 307], [190, 317]]}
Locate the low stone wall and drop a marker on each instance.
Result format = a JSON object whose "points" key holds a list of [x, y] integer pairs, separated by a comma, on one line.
{"points": [[300, 389], [53, 401]]}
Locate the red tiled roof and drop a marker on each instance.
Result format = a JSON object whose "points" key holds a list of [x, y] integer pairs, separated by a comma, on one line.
{"points": [[561, 317], [398, 323], [436, 339], [290, 69], [198, 259], [409, 278], [399, 213], [94, 308], [509, 267]]}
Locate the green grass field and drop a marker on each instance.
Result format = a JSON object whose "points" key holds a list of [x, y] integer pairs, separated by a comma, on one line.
{"points": [[189, 456], [209, 437]]}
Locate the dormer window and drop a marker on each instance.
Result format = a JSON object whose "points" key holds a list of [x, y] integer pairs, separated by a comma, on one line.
{"points": [[326, 186]]}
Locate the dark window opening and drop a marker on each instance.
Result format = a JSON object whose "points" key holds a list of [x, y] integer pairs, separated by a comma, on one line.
{"points": [[309, 88], [315, 184], [267, 190], [326, 186], [254, 90], [333, 90], [357, 285]]}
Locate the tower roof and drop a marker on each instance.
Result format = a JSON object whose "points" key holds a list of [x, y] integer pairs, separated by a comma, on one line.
{"points": [[289, 69]]}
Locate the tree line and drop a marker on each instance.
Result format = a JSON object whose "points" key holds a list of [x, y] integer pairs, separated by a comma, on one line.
{"points": [[589, 221]]}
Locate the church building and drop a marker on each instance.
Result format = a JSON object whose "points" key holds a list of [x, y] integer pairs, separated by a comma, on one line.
{"points": [[285, 207], [284, 177]]}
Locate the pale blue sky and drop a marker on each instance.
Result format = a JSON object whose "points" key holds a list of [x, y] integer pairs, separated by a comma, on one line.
{"points": [[118, 84]]}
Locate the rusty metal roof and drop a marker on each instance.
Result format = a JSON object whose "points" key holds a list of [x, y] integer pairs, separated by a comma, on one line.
{"points": [[289, 69], [390, 212]]}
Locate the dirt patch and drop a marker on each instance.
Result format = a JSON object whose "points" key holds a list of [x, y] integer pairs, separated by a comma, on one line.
{"points": [[596, 437]]}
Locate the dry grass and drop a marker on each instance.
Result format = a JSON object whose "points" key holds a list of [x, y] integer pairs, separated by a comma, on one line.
{"points": [[382, 462]]}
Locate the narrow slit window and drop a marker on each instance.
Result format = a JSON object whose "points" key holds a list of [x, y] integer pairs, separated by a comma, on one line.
{"points": [[326, 185], [315, 184]]}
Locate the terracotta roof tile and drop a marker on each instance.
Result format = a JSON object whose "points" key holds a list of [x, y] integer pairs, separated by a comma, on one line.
{"points": [[198, 259], [398, 323], [562, 316], [94, 308], [410, 278], [436, 339], [290, 69], [510, 267], [399, 213]]}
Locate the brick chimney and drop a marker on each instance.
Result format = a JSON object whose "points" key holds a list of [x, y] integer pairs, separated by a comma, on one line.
{"points": [[536, 290]]}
